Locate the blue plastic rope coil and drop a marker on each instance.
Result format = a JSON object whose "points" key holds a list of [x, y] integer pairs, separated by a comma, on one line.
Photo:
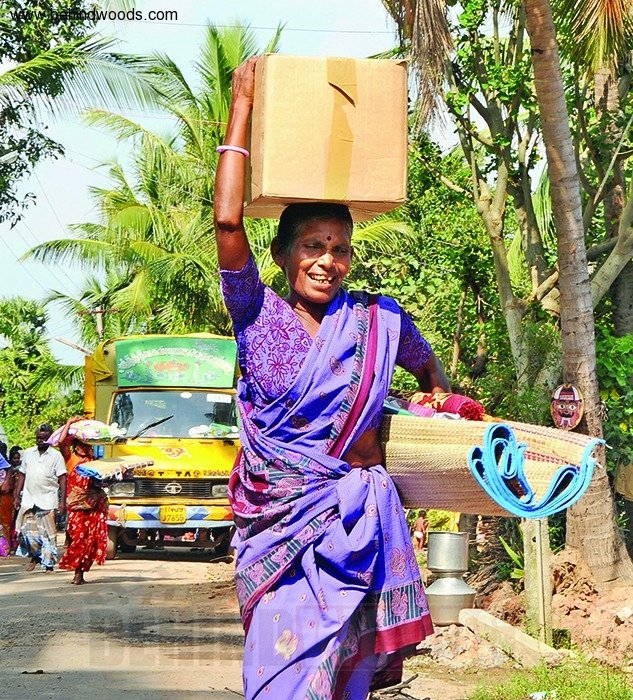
{"points": [[498, 467]]}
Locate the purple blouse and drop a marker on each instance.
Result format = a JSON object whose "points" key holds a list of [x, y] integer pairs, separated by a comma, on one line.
{"points": [[272, 342]]}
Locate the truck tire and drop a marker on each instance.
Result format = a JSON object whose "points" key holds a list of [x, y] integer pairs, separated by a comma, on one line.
{"points": [[113, 536], [124, 546], [224, 549]]}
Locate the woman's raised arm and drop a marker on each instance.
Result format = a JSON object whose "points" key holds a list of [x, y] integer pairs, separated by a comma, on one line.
{"points": [[228, 199]]}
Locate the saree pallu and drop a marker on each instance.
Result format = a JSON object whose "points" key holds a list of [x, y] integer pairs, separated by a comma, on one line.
{"points": [[328, 584], [6, 521], [87, 528], [6, 511]]}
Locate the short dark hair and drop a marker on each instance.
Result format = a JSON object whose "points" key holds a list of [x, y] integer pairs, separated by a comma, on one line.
{"points": [[16, 449], [44, 428], [295, 217]]}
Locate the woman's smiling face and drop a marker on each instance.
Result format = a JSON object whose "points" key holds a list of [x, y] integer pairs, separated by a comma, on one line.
{"points": [[317, 261]]}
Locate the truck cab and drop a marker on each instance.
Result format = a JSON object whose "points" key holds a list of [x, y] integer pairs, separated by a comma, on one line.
{"points": [[174, 397]]}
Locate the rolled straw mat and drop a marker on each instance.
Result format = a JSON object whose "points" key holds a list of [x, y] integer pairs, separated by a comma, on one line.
{"points": [[111, 468], [428, 460]]}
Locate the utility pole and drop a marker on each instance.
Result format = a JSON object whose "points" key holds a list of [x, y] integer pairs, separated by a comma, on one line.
{"points": [[98, 313]]}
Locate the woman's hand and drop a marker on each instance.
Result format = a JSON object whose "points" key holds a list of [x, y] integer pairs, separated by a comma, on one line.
{"points": [[243, 89]]}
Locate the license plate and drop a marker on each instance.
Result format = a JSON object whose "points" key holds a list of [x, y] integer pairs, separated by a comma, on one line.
{"points": [[173, 514]]}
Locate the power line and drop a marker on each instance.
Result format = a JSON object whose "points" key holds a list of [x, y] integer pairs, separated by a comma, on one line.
{"points": [[17, 259], [274, 29], [69, 290], [63, 229], [29, 245]]}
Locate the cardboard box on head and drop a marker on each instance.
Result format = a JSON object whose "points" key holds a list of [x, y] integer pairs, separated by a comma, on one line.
{"points": [[329, 130]]}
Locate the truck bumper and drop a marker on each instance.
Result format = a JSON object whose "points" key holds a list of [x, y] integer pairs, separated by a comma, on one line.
{"points": [[149, 516]]}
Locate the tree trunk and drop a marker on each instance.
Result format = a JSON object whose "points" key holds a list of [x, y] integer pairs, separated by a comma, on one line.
{"points": [[530, 233], [609, 561], [623, 302]]}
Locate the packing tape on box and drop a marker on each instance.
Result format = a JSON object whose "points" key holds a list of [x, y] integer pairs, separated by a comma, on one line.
{"points": [[341, 76]]}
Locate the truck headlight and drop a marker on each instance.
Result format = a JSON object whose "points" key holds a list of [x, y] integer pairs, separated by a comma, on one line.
{"points": [[220, 490], [122, 488]]}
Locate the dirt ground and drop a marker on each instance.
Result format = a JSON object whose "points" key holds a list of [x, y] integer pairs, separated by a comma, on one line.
{"points": [[150, 625], [165, 625]]}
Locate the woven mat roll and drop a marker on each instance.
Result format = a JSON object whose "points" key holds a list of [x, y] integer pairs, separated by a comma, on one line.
{"points": [[114, 466], [428, 460]]}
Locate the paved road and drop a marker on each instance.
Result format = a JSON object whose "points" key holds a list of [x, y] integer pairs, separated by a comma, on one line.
{"points": [[154, 625]]}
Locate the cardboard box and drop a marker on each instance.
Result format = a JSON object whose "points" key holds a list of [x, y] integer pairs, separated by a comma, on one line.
{"points": [[328, 129]]}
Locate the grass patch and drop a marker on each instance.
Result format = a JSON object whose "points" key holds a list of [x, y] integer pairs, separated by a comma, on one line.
{"points": [[576, 679]]}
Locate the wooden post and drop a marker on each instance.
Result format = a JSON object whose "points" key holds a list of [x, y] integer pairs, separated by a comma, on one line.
{"points": [[538, 587]]}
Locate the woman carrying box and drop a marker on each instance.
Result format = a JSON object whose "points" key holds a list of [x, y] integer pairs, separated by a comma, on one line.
{"points": [[329, 587]]}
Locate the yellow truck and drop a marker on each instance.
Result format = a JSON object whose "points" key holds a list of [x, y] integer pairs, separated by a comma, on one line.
{"points": [[174, 396]]}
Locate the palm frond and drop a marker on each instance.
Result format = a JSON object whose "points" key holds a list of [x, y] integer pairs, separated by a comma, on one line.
{"points": [[382, 235], [423, 28], [169, 81], [594, 32], [52, 377], [542, 204], [122, 128], [516, 261], [93, 76], [87, 254], [135, 299]]}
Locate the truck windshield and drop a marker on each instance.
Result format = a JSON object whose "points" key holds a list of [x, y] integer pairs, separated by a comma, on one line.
{"points": [[184, 414]]}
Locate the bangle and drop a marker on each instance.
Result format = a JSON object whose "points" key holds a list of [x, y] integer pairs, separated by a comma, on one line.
{"points": [[237, 149]]}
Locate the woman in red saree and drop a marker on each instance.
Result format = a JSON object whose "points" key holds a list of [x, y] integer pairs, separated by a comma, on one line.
{"points": [[329, 588], [87, 504], [7, 484]]}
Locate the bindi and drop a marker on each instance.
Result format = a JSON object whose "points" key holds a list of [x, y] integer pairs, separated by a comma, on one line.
{"points": [[329, 238]]}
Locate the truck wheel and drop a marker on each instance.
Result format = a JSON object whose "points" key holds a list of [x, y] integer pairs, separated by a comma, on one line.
{"points": [[123, 545], [113, 536], [223, 548]]}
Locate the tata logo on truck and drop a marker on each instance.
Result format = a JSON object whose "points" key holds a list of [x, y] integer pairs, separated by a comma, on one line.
{"points": [[173, 488]]}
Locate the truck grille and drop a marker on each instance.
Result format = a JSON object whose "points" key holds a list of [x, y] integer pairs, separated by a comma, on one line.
{"points": [[167, 488]]}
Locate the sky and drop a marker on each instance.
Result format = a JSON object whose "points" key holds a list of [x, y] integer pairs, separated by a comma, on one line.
{"points": [[354, 28]]}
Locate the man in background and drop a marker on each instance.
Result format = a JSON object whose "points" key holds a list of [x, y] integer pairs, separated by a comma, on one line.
{"points": [[41, 489]]}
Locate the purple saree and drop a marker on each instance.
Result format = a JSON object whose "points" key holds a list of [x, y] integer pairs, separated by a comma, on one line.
{"points": [[329, 587]]}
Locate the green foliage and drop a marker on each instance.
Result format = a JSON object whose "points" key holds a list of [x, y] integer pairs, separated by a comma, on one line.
{"points": [[52, 63], [530, 404], [509, 564], [34, 387], [518, 572], [22, 40], [614, 356], [575, 678], [557, 526], [448, 254], [436, 519], [440, 519], [29, 28]]}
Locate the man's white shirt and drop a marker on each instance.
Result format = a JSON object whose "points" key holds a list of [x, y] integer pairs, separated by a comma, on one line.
{"points": [[41, 485]]}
